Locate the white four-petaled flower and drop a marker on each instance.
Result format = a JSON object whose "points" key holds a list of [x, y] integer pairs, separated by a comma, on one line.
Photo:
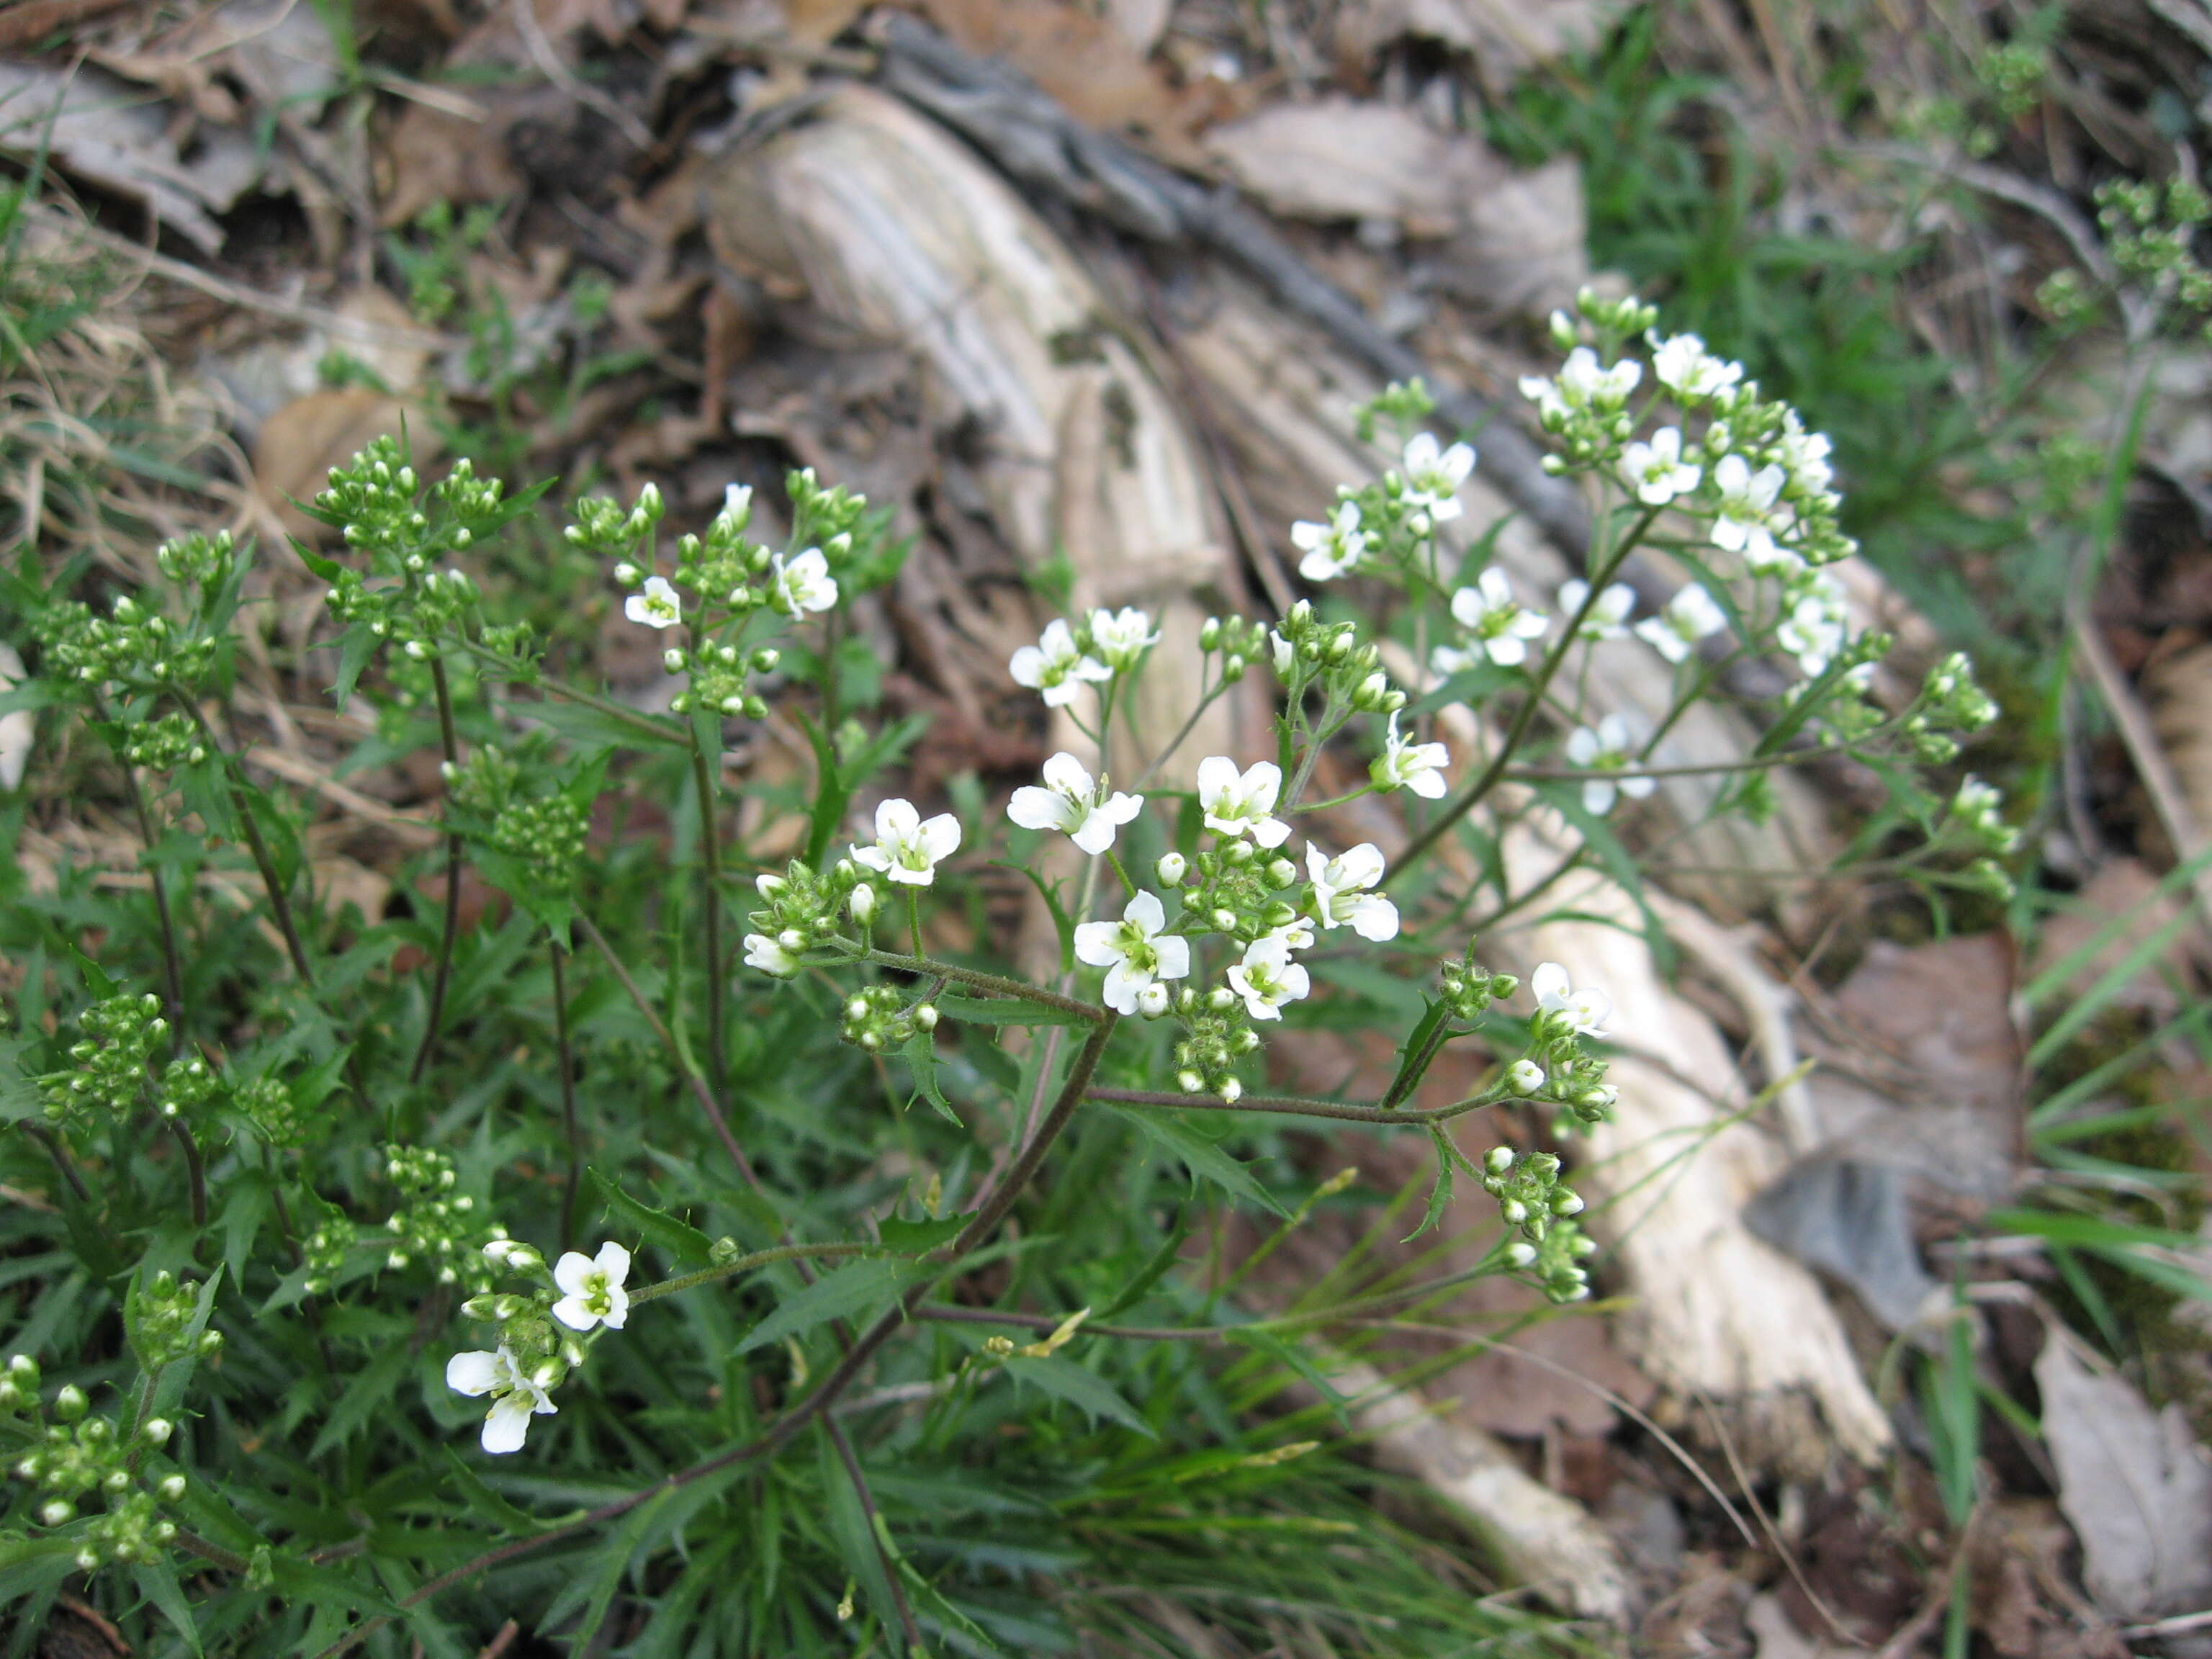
{"points": [[1135, 952], [515, 1398], [591, 1291], [1333, 548], [1605, 751], [1434, 474], [1342, 895], [1691, 615], [1583, 383], [907, 848], [1585, 1010], [1685, 368], [769, 955], [1608, 613], [803, 585], [1497, 622], [1236, 802], [1120, 638], [1071, 803], [659, 605], [1419, 767], [1055, 666], [1656, 470], [1267, 978], [1746, 520], [1815, 628]]}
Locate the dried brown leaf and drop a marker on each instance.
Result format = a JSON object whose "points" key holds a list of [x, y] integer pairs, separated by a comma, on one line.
{"points": [[2134, 1484], [1347, 158], [303, 441]]}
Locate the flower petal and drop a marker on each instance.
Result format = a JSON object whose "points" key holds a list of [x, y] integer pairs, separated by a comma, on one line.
{"points": [[474, 1373], [507, 1424]]}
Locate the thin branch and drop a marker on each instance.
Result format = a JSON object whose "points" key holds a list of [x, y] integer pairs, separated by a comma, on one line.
{"points": [[449, 741], [852, 1463], [1300, 1106]]}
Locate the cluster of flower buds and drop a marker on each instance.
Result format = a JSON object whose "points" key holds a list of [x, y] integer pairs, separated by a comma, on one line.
{"points": [[1310, 653], [1978, 816], [1241, 890], [1240, 641], [109, 1070], [158, 1315], [1529, 1192], [163, 745], [324, 1250], [1469, 989], [2149, 231], [134, 647], [546, 835], [543, 1334], [879, 1017], [1216, 1034], [79, 1455], [1555, 1261], [1950, 702], [719, 678], [803, 908], [432, 1222], [188, 1088], [268, 1103], [198, 560]]}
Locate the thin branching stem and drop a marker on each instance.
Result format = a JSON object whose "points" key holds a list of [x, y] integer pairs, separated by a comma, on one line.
{"points": [[449, 935], [1300, 1106], [555, 951], [710, 859], [745, 1264], [876, 1532], [280, 904]]}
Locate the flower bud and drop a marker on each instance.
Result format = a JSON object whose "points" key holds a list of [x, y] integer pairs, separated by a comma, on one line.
{"points": [[1171, 869], [672, 660], [1209, 634], [1499, 1160], [1524, 1078], [1520, 1253], [1225, 920], [864, 904], [1152, 1000], [170, 1488], [1189, 1082], [59, 1513], [1231, 1090], [157, 1431], [1281, 872], [1221, 999], [766, 659], [925, 1016], [70, 1403]]}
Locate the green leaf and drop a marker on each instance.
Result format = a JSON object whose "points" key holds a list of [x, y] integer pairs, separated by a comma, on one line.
{"points": [[589, 725], [1201, 1157], [485, 1503], [157, 1583], [1155, 1269], [920, 1238], [920, 1053], [1440, 1193], [1408, 1079], [354, 650], [1293, 1356], [857, 1287], [1003, 1011], [679, 1238], [1065, 1380]]}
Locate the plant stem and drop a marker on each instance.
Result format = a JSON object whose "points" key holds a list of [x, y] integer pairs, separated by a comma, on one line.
{"points": [[710, 847], [195, 1170], [280, 906], [449, 741], [172, 961], [555, 951], [1089, 1012], [852, 1463], [644, 724], [1298, 1106], [1176, 742], [48, 1138], [1525, 716], [745, 1264], [704, 1095]]}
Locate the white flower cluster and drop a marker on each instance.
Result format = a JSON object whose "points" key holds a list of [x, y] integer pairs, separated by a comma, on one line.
{"points": [[520, 1374], [1065, 660]]}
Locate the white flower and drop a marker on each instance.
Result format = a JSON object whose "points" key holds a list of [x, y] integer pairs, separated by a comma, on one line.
{"points": [[1747, 515], [1333, 549], [1135, 952], [1071, 803], [1267, 978], [1606, 750], [1055, 666], [515, 1398], [1434, 474], [1236, 802], [1656, 472], [1419, 767], [592, 1288], [1685, 368], [768, 955], [1498, 622], [659, 607], [1586, 1011], [736, 511], [1806, 454], [907, 849], [1120, 639], [1524, 1078], [1297, 933], [1583, 383], [1341, 895], [804, 583], [1691, 615], [1283, 652], [1814, 630], [1608, 616]]}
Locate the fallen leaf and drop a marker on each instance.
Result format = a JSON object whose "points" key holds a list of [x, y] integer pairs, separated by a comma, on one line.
{"points": [[2178, 690], [2124, 887], [303, 441], [1849, 1219], [1524, 246], [2134, 1484], [112, 134], [1345, 158]]}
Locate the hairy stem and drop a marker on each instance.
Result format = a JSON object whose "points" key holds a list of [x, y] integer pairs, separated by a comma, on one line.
{"points": [[745, 1264], [449, 741], [1299, 1106]]}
